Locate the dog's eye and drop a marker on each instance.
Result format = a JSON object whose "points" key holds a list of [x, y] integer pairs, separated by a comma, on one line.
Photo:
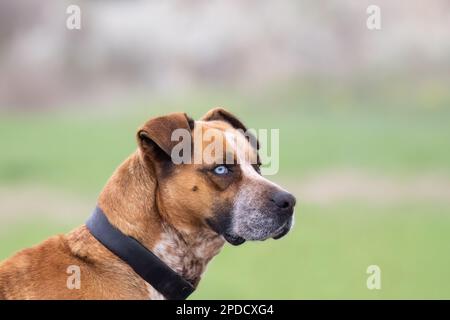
{"points": [[221, 170]]}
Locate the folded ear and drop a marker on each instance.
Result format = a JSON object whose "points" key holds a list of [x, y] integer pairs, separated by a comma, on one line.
{"points": [[155, 136], [221, 114]]}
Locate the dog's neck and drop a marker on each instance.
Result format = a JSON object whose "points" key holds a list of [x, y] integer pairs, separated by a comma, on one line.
{"points": [[128, 200]]}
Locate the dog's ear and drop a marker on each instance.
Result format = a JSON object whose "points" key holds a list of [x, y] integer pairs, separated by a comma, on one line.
{"points": [[223, 115], [154, 137]]}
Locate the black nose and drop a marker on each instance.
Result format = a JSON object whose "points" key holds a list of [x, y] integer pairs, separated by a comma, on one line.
{"points": [[284, 200]]}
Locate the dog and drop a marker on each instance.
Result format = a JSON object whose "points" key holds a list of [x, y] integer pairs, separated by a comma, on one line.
{"points": [[175, 217]]}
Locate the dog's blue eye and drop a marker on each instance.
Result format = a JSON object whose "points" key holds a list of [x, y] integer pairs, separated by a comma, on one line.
{"points": [[221, 170]]}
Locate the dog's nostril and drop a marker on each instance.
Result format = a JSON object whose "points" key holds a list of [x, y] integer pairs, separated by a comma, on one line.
{"points": [[284, 200], [285, 205]]}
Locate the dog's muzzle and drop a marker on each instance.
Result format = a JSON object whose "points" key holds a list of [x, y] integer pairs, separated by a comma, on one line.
{"points": [[273, 218], [253, 219]]}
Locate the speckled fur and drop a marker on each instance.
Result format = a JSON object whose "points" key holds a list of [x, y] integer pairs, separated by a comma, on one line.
{"points": [[187, 255]]}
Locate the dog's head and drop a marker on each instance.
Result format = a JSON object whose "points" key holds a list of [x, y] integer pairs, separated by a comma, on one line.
{"points": [[212, 179]]}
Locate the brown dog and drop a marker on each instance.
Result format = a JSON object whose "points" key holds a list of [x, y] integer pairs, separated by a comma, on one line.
{"points": [[183, 213]]}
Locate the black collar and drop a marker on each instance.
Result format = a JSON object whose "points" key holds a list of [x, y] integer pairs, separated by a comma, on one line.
{"points": [[144, 262]]}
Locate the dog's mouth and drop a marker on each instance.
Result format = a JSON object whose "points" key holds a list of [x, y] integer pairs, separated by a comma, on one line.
{"points": [[235, 240], [283, 230], [225, 232]]}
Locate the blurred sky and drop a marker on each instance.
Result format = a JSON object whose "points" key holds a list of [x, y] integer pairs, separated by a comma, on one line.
{"points": [[168, 47]]}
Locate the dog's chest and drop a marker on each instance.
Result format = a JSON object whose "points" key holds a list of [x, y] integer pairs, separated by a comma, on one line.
{"points": [[187, 257]]}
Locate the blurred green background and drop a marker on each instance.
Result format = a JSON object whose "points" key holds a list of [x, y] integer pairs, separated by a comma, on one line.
{"points": [[366, 152]]}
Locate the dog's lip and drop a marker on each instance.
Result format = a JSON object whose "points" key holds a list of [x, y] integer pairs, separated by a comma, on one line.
{"points": [[283, 230], [233, 239]]}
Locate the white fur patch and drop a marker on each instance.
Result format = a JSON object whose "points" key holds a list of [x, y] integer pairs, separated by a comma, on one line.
{"points": [[187, 255], [250, 220]]}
